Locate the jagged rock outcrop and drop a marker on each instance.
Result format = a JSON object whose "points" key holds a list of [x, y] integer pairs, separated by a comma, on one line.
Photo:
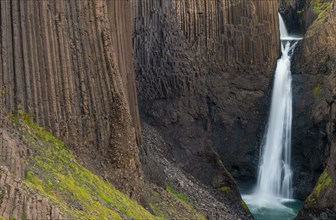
{"points": [[317, 77], [69, 65], [203, 70]]}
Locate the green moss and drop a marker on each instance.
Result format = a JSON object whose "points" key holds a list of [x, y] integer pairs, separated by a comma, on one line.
{"points": [[24, 216], [158, 211], [173, 206], [13, 119], [55, 173], [244, 205], [180, 196], [317, 90], [323, 182], [225, 189], [2, 91], [320, 7], [300, 11]]}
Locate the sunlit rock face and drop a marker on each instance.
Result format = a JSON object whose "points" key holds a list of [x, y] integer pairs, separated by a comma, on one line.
{"points": [[69, 65]]}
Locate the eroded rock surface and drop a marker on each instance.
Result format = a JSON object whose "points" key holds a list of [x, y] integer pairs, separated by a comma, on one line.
{"points": [[203, 70], [222, 203]]}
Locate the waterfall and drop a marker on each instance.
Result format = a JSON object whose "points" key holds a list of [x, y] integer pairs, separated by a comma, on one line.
{"points": [[275, 174], [283, 29]]}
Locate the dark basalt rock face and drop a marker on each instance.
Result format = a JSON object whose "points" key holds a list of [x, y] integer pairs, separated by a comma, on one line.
{"points": [[224, 203], [299, 15], [316, 127], [203, 70]]}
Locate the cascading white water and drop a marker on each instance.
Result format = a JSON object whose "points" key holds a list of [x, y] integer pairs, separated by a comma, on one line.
{"points": [[275, 174], [283, 29]]}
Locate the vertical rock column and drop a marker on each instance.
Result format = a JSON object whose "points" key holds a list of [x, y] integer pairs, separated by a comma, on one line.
{"points": [[234, 32], [69, 65], [203, 70]]}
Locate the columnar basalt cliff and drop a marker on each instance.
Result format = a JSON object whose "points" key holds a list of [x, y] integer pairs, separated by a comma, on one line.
{"points": [[203, 70], [68, 64]]}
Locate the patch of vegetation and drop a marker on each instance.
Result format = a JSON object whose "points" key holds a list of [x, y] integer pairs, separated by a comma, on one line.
{"points": [[159, 212], [319, 7], [300, 11], [172, 207], [2, 91], [225, 189], [24, 216], [317, 90], [323, 182], [54, 172], [174, 193], [244, 205]]}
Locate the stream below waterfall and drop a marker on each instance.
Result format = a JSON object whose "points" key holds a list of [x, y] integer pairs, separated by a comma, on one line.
{"points": [[272, 198]]}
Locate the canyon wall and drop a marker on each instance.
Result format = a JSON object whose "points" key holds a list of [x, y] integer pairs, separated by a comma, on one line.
{"points": [[203, 70], [316, 78], [68, 64]]}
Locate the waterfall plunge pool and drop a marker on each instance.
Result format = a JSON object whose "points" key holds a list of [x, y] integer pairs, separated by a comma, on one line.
{"points": [[278, 209]]}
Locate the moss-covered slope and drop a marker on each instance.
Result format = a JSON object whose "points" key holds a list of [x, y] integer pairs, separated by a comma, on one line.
{"points": [[53, 171], [52, 184]]}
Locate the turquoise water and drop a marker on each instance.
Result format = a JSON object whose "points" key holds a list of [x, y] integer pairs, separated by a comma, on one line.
{"points": [[287, 211]]}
